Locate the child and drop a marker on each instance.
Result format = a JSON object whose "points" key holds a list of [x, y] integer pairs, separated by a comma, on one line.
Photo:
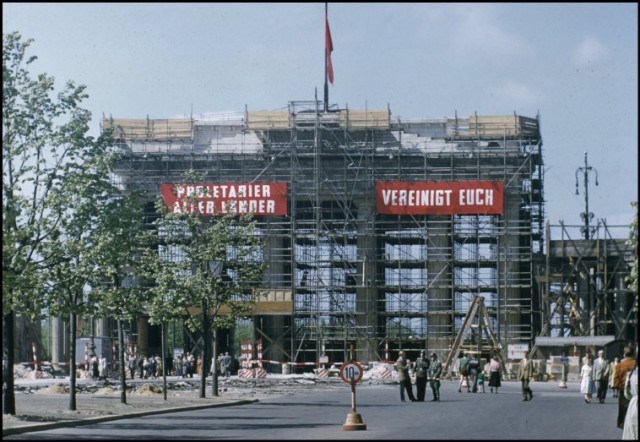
{"points": [[480, 380]]}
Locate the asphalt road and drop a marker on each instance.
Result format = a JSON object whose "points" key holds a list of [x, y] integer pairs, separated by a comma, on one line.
{"points": [[552, 414]]}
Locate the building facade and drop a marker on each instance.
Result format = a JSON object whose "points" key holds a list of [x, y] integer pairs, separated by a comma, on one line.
{"points": [[379, 231]]}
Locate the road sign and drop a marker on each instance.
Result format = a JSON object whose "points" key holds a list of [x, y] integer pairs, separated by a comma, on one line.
{"points": [[351, 370]]}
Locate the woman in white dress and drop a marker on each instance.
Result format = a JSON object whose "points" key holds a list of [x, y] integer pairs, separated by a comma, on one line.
{"points": [[630, 430], [587, 386]]}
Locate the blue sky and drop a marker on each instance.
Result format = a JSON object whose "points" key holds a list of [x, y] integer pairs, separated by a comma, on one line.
{"points": [[574, 64]]}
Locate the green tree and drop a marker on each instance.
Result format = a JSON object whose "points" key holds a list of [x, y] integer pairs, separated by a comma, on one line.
{"points": [[117, 251], [209, 264], [84, 204], [44, 145]]}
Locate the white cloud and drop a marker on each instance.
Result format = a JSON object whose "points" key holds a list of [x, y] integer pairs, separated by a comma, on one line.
{"points": [[589, 52], [476, 31], [516, 94]]}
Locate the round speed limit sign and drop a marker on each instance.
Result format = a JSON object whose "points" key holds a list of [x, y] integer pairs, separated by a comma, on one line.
{"points": [[351, 370]]}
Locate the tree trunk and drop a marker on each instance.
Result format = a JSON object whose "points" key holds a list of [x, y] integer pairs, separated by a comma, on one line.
{"points": [[8, 348], [72, 363], [164, 362], [214, 376], [205, 345], [123, 373]]}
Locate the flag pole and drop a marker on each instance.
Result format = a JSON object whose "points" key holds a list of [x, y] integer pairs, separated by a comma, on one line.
{"points": [[326, 55]]}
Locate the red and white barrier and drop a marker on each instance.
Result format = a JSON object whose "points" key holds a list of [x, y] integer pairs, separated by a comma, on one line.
{"points": [[259, 349], [246, 349], [35, 356], [252, 373]]}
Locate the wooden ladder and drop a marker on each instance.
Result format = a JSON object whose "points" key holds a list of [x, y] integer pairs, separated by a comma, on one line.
{"points": [[477, 310]]}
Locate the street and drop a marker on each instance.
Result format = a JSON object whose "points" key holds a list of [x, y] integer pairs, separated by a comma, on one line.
{"points": [[552, 414]]}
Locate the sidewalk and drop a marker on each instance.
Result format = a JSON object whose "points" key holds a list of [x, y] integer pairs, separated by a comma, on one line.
{"points": [[44, 403]]}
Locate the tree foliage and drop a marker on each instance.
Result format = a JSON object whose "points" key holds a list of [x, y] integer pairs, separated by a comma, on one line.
{"points": [[55, 181], [198, 263]]}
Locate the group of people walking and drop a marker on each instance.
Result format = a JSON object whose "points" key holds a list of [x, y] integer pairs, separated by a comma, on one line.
{"points": [[146, 367], [622, 376], [473, 376], [596, 377]]}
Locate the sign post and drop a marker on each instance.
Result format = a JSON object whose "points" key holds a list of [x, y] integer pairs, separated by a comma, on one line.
{"points": [[351, 373]]}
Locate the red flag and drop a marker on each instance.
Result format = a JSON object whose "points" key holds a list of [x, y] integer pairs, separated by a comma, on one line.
{"points": [[329, 48]]}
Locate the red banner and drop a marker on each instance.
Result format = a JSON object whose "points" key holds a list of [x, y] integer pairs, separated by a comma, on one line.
{"points": [[440, 197], [222, 198]]}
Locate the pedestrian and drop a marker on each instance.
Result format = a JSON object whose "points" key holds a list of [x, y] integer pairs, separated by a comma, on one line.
{"points": [[132, 364], [158, 367], [219, 364], [145, 367], [473, 369], [185, 364], [612, 376], [226, 364], [420, 368], [480, 377], [625, 366], [191, 359], [402, 367], [564, 360], [494, 374], [95, 368], [601, 376], [153, 367], [435, 370], [464, 373], [141, 361], [525, 373], [587, 386], [630, 429], [102, 367]]}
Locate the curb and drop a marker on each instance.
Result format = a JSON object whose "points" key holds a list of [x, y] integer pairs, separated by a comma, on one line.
{"points": [[97, 420]]}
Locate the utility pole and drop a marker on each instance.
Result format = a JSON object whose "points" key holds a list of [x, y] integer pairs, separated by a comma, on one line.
{"points": [[586, 215]]}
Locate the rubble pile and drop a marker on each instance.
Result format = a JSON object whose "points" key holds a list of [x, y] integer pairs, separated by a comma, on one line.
{"points": [[380, 371], [53, 389], [21, 371]]}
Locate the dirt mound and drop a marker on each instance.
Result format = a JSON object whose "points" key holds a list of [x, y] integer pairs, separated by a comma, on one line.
{"points": [[53, 389], [107, 391], [148, 390]]}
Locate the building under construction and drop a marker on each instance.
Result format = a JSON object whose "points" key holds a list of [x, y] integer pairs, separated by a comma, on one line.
{"points": [[390, 227]]}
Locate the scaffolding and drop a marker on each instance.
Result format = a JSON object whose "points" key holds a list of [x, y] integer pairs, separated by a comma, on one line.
{"points": [[340, 274], [583, 283]]}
